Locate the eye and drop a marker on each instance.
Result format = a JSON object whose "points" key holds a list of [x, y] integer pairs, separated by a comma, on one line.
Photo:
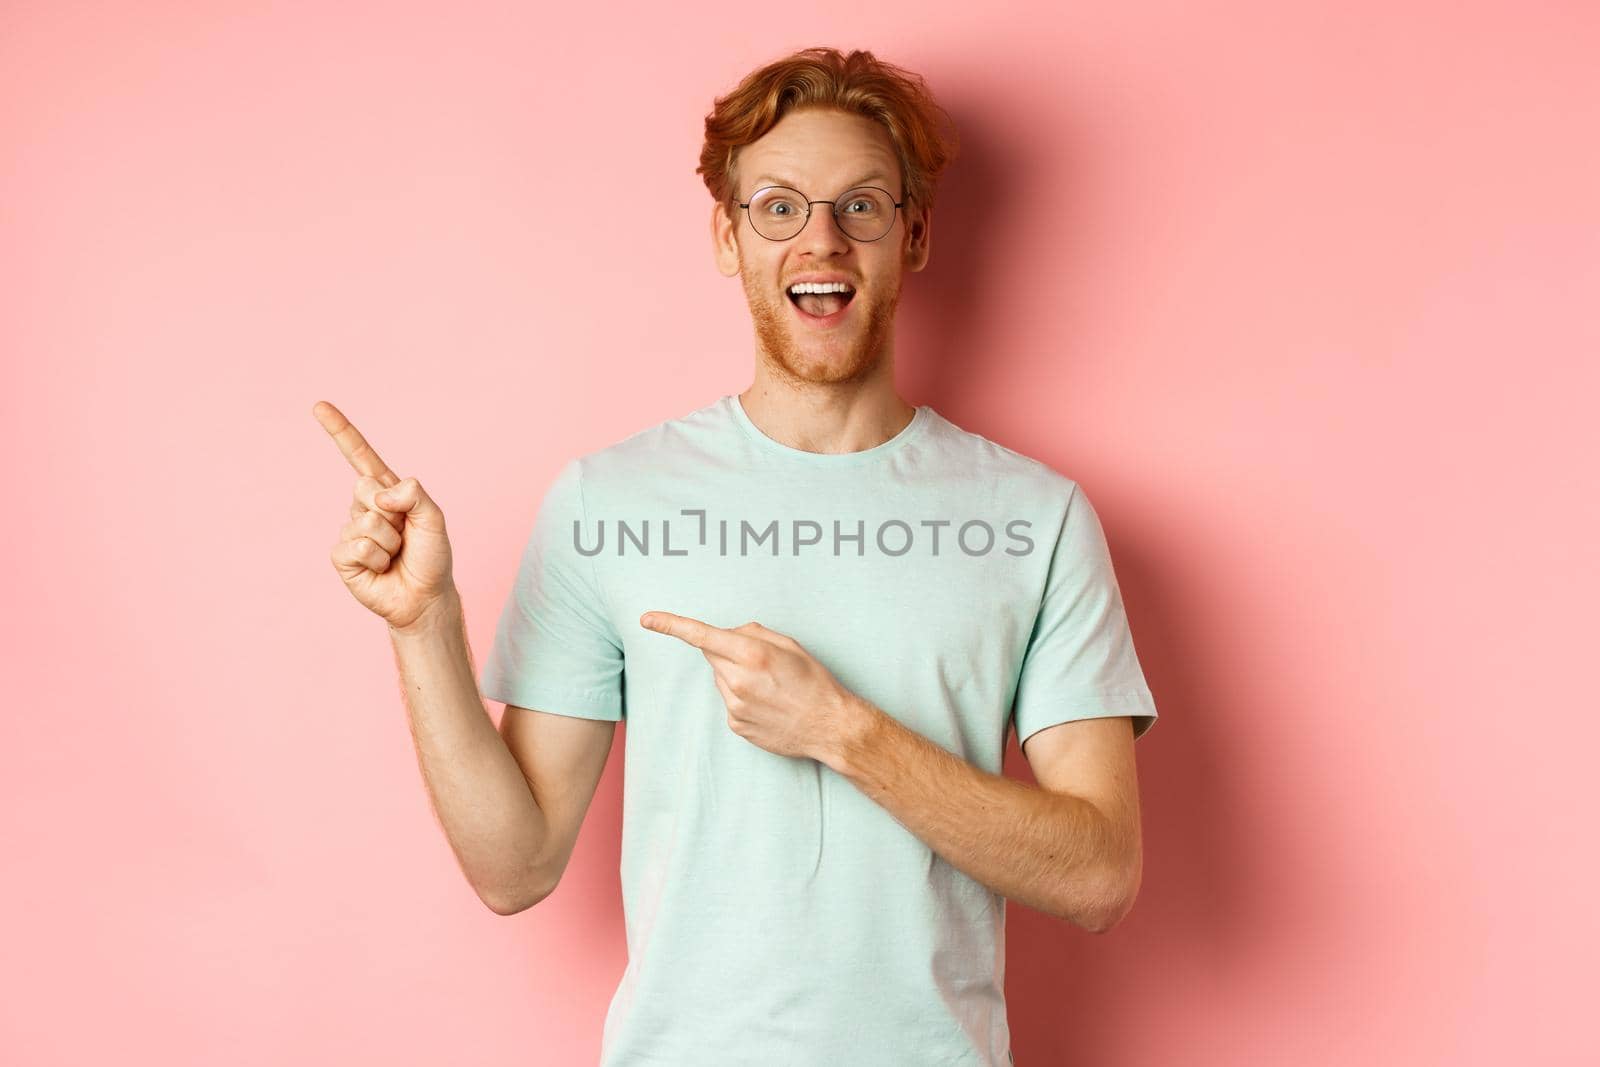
{"points": [[776, 204]]}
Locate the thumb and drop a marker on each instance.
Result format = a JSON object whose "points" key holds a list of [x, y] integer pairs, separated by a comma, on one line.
{"points": [[409, 497]]}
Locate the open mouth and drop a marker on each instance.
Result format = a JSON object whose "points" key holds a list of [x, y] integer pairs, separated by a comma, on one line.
{"points": [[821, 307]]}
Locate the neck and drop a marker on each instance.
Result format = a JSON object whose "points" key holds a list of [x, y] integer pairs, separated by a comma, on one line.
{"points": [[826, 418]]}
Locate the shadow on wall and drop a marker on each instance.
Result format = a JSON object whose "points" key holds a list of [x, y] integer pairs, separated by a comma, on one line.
{"points": [[1073, 996], [941, 347]]}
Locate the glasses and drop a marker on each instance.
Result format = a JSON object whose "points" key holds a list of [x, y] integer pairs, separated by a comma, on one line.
{"points": [[777, 213]]}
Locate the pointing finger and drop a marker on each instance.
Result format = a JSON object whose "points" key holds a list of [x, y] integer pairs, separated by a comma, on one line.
{"points": [[701, 635], [362, 456]]}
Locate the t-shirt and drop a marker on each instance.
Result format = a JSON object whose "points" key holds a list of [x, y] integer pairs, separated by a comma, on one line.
{"points": [[774, 913]]}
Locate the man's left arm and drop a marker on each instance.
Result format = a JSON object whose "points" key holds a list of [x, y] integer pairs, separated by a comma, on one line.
{"points": [[1069, 847]]}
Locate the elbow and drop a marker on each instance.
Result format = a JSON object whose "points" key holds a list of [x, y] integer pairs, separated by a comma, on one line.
{"points": [[1113, 903], [510, 901], [504, 905], [1105, 920]]}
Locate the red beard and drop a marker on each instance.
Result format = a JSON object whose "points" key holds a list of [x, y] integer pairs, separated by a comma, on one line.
{"points": [[847, 354]]}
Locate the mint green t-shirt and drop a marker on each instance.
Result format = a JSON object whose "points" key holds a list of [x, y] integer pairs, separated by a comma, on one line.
{"points": [[775, 914]]}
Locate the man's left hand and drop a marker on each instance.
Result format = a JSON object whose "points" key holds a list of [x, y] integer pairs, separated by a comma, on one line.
{"points": [[779, 696]]}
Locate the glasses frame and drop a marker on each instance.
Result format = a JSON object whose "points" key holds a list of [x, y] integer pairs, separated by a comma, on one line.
{"points": [[833, 206]]}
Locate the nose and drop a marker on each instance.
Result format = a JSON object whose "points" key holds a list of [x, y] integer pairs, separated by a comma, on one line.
{"points": [[821, 233]]}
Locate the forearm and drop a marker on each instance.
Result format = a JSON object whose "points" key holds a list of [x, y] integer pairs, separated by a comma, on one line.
{"points": [[479, 793], [1049, 850]]}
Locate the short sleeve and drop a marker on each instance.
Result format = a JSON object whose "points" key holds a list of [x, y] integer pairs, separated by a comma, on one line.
{"points": [[555, 649], [1080, 662]]}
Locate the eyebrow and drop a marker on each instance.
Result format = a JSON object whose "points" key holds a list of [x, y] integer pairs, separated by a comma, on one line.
{"points": [[875, 176]]}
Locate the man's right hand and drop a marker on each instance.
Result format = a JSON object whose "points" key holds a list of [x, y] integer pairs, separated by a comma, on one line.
{"points": [[393, 554]]}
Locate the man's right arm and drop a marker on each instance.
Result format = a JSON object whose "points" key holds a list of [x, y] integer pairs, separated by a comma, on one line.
{"points": [[510, 801]]}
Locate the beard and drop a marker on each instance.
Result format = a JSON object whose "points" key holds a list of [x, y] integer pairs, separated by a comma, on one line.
{"points": [[847, 353]]}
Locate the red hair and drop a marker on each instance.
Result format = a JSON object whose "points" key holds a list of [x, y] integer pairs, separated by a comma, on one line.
{"points": [[859, 83]]}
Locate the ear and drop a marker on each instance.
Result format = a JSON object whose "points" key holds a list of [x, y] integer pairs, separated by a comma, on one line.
{"points": [[919, 240], [724, 242]]}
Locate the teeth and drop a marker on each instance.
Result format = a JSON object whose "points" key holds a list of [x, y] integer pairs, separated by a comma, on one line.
{"points": [[820, 287]]}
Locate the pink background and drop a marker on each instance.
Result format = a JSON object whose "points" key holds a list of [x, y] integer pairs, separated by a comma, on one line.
{"points": [[1304, 295]]}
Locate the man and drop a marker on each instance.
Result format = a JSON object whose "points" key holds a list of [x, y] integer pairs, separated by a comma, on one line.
{"points": [[819, 610]]}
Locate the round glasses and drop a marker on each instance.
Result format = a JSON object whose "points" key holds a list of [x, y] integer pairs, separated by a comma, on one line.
{"points": [[864, 214]]}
